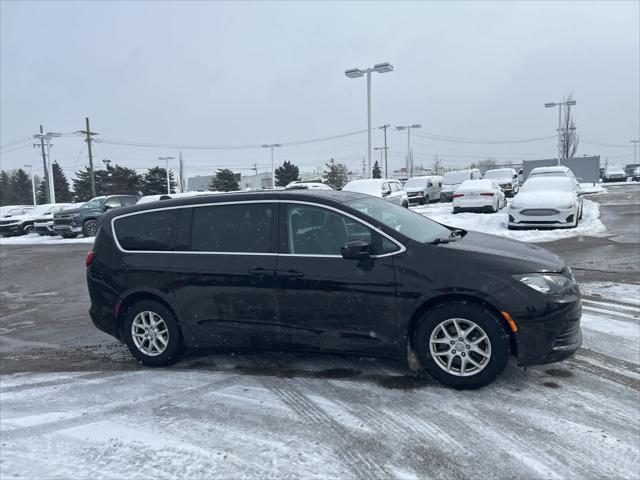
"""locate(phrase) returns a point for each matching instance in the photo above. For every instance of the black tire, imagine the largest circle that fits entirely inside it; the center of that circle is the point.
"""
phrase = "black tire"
(173, 348)
(456, 210)
(68, 235)
(28, 229)
(483, 318)
(581, 209)
(426, 200)
(405, 204)
(90, 228)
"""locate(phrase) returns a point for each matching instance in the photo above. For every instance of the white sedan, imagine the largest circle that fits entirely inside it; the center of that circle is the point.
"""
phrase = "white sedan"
(478, 196)
(550, 202)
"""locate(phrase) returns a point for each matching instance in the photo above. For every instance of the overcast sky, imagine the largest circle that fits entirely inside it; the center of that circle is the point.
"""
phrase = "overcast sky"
(244, 73)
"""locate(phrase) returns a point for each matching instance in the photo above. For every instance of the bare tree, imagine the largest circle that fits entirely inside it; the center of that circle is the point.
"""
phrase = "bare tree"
(181, 182)
(569, 137)
(437, 165)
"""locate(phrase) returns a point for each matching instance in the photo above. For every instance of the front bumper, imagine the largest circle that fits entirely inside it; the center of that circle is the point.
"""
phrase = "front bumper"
(543, 217)
(65, 226)
(417, 197)
(551, 337)
(44, 228)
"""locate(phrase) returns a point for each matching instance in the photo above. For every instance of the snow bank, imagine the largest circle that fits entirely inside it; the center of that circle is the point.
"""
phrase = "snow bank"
(496, 223)
(623, 292)
(592, 188)
(35, 239)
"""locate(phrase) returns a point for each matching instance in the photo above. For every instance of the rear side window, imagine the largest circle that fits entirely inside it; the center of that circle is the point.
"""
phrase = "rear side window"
(153, 231)
(395, 187)
(243, 228)
(126, 201)
(113, 202)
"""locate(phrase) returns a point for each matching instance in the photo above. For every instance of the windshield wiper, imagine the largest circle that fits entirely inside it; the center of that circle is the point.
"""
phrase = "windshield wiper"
(455, 234)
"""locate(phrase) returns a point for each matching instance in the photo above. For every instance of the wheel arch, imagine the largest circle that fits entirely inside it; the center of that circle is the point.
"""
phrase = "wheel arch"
(137, 296)
(441, 299)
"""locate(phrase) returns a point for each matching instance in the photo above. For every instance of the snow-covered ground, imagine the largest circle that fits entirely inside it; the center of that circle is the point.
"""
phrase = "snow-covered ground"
(35, 239)
(496, 223)
(292, 416)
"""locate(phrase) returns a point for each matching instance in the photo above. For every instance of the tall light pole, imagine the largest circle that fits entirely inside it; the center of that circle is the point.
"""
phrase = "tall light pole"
(635, 146)
(357, 72)
(559, 105)
(273, 172)
(33, 184)
(408, 129)
(386, 149)
(47, 137)
(166, 160)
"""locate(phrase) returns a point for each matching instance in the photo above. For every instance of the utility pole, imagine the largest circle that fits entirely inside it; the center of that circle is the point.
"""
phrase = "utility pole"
(386, 170)
(273, 175)
(560, 105)
(364, 167)
(33, 184)
(44, 164)
(635, 147)
(255, 168)
(48, 136)
(90, 134)
(409, 154)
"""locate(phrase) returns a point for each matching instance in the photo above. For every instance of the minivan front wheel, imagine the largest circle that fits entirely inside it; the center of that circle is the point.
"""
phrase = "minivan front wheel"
(462, 345)
(90, 228)
(152, 333)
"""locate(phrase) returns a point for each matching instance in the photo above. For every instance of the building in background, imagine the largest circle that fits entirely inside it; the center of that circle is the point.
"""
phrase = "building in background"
(258, 181)
(199, 183)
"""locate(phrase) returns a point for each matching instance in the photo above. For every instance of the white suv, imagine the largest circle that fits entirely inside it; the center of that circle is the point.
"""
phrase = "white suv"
(390, 190)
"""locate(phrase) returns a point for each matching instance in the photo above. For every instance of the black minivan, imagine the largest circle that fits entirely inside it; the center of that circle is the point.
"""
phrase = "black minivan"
(332, 272)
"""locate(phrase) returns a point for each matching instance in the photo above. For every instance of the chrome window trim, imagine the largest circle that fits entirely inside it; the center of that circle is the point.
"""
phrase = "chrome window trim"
(401, 249)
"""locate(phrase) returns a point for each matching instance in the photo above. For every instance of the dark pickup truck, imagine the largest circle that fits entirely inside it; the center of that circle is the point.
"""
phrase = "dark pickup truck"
(86, 219)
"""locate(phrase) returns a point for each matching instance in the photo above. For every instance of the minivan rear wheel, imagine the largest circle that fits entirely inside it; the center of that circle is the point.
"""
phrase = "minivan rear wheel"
(462, 344)
(151, 332)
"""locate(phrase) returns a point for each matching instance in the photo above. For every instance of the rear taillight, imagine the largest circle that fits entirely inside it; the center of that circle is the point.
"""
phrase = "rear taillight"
(90, 256)
(487, 194)
(458, 195)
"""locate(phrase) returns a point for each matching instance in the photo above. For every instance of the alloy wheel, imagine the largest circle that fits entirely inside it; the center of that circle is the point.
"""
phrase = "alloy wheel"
(150, 333)
(460, 347)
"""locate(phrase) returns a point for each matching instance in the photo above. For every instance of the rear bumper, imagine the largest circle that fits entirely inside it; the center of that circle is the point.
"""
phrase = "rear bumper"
(552, 337)
(104, 320)
(474, 205)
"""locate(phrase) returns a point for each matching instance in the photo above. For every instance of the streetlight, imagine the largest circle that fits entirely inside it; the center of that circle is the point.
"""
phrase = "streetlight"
(408, 129)
(273, 175)
(48, 136)
(166, 160)
(635, 146)
(559, 105)
(33, 184)
(355, 73)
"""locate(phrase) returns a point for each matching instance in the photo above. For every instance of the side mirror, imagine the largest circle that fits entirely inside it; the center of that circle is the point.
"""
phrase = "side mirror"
(386, 193)
(108, 207)
(356, 250)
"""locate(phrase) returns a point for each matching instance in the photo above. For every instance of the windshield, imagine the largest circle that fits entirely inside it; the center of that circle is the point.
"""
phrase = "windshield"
(413, 225)
(542, 183)
(416, 182)
(453, 178)
(503, 173)
(94, 202)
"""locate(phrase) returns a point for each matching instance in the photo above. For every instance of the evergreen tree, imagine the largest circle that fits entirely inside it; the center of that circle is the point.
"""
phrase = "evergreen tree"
(154, 181)
(61, 185)
(6, 194)
(20, 187)
(41, 193)
(121, 180)
(224, 181)
(336, 174)
(82, 184)
(377, 171)
(286, 173)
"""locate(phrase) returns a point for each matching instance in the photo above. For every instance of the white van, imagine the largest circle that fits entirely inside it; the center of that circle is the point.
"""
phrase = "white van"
(452, 180)
(422, 190)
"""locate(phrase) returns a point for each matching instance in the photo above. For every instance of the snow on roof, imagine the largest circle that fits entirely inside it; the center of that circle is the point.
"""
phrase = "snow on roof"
(469, 185)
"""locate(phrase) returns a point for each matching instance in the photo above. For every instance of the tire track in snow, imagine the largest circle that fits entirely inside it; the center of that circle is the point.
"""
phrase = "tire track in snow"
(358, 460)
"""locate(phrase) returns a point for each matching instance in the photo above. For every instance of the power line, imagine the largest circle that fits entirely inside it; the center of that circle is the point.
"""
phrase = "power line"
(602, 144)
(15, 142)
(16, 148)
(445, 138)
(222, 147)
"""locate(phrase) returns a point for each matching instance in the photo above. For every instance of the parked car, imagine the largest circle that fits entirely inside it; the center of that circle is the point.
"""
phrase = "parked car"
(614, 174)
(86, 218)
(13, 210)
(328, 271)
(636, 175)
(555, 171)
(22, 224)
(388, 189)
(451, 181)
(307, 186)
(478, 196)
(507, 178)
(551, 202)
(43, 224)
(422, 190)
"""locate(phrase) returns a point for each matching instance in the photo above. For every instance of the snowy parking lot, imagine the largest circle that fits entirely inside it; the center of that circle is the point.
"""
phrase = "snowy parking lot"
(75, 405)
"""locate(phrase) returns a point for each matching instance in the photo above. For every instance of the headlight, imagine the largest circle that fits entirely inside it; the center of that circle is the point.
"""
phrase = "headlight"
(548, 283)
(75, 215)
